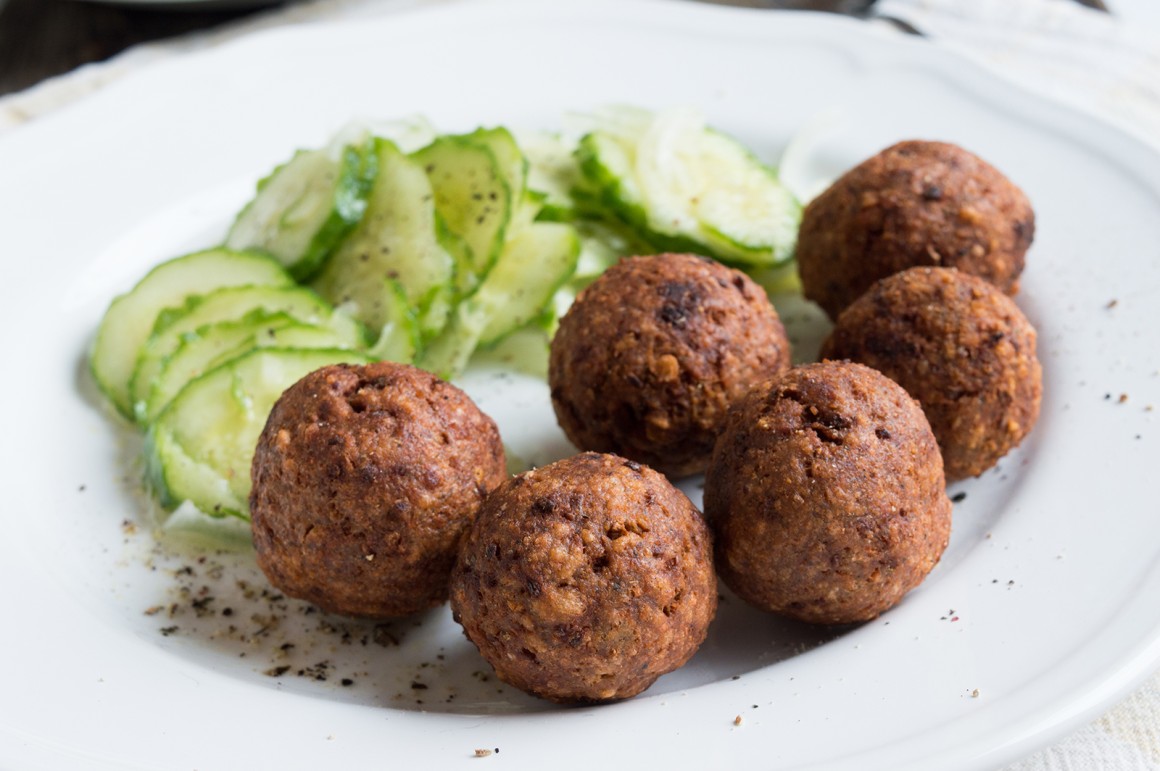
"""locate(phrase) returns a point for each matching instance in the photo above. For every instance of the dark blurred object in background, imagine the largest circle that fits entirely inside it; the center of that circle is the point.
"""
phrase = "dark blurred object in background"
(42, 38)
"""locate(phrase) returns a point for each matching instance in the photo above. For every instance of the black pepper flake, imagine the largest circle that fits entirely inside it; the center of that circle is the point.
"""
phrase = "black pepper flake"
(168, 630)
(346, 681)
(81, 489)
(382, 636)
(276, 671)
(417, 686)
(958, 497)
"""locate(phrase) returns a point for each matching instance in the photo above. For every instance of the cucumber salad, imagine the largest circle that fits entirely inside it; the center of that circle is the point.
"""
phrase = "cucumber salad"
(404, 244)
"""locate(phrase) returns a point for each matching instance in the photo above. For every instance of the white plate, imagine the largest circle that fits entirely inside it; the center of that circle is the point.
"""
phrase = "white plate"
(1041, 613)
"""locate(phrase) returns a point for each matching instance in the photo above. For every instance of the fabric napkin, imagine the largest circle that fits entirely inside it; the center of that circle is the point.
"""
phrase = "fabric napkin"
(1089, 60)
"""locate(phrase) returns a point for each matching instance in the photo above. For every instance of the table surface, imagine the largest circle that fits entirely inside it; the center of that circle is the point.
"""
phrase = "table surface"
(42, 38)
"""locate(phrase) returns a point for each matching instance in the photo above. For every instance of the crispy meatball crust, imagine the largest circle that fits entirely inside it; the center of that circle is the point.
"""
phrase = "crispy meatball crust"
(650, 356)
(959, 346)
(915, 203)
(585, 580)
(365, 478)
(826, 495)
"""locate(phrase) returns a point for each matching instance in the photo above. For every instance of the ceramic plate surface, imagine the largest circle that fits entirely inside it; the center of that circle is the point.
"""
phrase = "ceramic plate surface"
(117, 654)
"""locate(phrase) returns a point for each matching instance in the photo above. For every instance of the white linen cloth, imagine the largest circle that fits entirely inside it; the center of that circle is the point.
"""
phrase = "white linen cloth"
(1108, 65)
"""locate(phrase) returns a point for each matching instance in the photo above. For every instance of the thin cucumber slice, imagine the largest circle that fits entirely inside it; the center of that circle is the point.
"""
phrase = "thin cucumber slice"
(232, 303)
(201, 446)
(510, 159)
(533, 265)
(608, 164)
(472, 196)
(554, 172)
(409, 133)
(746, 214)
(130, 318)
(782, 280)
(526, 212)
(684, 186)
(561, 301)
(187, 524)
(400, 337)
(398, 239)
(306, 206)
(602, 245)
(214, 344)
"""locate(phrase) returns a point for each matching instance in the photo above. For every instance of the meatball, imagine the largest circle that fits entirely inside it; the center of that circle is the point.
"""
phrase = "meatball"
(916, 203)
(826, 495)
(650, 356)
(365, 478)
(585, 580)
(959, 346)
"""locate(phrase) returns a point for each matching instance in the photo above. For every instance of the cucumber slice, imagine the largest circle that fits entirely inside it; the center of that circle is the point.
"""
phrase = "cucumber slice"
(213, 344)
(526, 212)
(510, 159)
(687, 187)
(398, 239)
(400, 337)
(305, 207)
(474, 198)
(608, 165)
(602, 245)
(533, 265)
(552, 171)
(745, 214)
(129, 319)
(233, 303)
(201, 446)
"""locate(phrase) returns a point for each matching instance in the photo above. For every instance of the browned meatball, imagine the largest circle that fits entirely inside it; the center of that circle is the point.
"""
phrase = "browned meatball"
(585, 580)
(959, 346)
(650, 356)
(365, 478)
(826, 495)
(916, 203)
